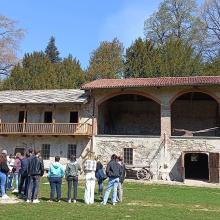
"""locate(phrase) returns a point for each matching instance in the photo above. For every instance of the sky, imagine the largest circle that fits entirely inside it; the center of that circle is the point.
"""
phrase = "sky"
(78, 26)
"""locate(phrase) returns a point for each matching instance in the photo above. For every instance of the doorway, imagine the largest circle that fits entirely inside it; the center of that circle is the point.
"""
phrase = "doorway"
(196, 166)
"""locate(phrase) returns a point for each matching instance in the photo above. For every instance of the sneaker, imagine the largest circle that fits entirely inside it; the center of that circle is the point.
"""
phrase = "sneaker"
(5, 197)
(113, 203)
(36, 201)
(28, 201)
(74, 201)
(50, 200)
(102, 203)
(69, 200)
(58, 201)
(15, 191)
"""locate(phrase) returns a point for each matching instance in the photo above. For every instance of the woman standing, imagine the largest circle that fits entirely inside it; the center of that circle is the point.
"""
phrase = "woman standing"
(100, 176)
(3, 174)
(17, 167)
(71, 173)
(55, 175)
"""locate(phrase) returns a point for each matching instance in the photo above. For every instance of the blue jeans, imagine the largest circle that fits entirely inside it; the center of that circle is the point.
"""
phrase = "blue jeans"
(55, 186)
(3, 181)
(10, 180)
(17, 179)
(112, 184)
(100, 185)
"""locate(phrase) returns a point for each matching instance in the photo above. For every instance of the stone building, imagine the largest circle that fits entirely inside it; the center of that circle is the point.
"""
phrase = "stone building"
(53, 121)
(171, 125)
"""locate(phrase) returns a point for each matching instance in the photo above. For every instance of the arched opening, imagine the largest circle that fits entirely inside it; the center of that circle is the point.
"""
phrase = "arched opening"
(129, 114)
(196, 166)
(195, 114)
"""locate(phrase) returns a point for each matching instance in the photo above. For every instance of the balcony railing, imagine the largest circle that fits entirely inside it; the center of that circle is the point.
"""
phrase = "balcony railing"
(46, 128)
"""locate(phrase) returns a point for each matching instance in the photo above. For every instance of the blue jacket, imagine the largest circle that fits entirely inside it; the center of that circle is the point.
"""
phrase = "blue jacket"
(24, 167)
(56, 170)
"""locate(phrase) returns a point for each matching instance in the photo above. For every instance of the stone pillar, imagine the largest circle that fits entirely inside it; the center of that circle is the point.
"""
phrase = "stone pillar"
(165, 120)
(165, 136)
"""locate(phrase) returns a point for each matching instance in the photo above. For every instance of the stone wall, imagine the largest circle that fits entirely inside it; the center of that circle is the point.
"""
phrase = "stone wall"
(147, 151)
(177, 145)
(58, 146)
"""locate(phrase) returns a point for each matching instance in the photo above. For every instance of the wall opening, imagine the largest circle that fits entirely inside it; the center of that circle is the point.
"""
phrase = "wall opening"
(195, 114)
(196, 166)
(129, 114)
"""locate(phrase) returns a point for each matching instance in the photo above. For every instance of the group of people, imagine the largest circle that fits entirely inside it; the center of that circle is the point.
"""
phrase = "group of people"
(27, 171)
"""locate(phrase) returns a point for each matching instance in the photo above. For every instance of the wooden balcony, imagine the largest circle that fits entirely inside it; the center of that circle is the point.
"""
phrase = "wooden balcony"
(79, 129)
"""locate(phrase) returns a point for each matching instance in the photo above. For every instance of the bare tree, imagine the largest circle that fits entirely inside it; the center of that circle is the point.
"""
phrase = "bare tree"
(176, 19)
(211, 17)
(10, 37)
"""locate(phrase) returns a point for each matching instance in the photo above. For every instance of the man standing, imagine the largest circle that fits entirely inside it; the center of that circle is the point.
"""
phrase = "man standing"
(35, 171)
(113, 171)
(89, 169)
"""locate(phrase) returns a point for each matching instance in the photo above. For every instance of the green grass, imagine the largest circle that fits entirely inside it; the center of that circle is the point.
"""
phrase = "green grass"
(151, 202)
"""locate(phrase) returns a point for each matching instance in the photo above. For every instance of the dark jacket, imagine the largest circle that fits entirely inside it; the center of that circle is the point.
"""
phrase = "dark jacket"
(24, 167)
(4, 167)
(122, 177)
(35, 166)
(113, 169)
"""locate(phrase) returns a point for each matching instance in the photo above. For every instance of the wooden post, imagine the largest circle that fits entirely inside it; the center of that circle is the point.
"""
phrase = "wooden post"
(53, 119)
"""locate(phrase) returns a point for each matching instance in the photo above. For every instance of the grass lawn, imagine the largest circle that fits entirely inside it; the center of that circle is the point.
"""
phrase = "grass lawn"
(141, 201)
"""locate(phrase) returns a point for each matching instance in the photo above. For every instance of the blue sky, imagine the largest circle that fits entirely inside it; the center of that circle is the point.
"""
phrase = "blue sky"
(78, 26)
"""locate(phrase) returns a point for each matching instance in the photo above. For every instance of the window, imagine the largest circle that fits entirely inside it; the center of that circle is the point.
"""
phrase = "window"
(45, 151)
(74, 117)
(47, 117)
(22, 116)
(71, 150)
(128, 155)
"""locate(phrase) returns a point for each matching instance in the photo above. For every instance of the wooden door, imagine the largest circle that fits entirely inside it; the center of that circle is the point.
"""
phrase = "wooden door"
(214, 167)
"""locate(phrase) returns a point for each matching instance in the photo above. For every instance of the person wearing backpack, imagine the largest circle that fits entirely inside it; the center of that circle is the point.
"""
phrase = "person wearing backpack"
(55, 175)
(71, 173)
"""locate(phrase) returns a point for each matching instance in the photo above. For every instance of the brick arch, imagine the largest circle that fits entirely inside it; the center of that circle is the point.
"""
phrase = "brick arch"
(177, 95)
(134, 92)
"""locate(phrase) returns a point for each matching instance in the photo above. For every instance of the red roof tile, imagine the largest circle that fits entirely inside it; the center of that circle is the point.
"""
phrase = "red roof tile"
(153, 82)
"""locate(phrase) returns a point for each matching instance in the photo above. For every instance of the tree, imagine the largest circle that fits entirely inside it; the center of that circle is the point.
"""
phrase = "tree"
(35, 72)
(70, 74)
(52, 52)
(178, 58)
(176, 19)
(10, 36)
(173, 58)
(211, 17)
(141, 59)
(106, 61)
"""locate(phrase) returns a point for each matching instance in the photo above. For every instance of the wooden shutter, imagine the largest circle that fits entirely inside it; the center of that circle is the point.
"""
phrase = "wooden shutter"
(214, 167)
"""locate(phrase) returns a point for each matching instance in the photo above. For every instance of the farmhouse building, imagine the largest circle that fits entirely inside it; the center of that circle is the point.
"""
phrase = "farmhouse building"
(170, 125)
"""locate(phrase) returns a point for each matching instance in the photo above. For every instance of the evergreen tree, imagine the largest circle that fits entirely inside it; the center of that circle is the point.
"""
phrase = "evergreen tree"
(52, 52)
(141, 59)
(177, 58)
(106, 61)
(70, 73)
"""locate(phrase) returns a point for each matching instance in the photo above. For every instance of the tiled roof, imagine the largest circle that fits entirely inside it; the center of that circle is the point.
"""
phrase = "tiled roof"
(43, 96)
(151, 82)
